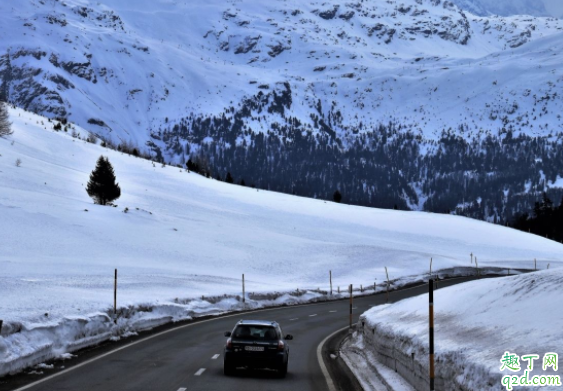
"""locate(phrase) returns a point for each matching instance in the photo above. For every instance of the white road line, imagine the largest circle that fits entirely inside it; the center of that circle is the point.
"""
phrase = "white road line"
(294, 319)
(332, 311)
(328, 379)
(198, 373)
(313, 315)
(182, 389)
(215, 357)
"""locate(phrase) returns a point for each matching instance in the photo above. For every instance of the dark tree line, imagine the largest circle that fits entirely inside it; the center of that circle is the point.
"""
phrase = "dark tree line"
(546, 220)
(488, 176)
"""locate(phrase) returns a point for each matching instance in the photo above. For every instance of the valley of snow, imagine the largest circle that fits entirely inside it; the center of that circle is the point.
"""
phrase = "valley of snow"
(475, 324)
(185, 236)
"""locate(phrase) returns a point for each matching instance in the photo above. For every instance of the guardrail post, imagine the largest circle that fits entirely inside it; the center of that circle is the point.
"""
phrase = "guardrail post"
(431, 331)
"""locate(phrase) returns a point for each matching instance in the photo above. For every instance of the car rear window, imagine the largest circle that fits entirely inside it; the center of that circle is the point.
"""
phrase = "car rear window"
(256, 333)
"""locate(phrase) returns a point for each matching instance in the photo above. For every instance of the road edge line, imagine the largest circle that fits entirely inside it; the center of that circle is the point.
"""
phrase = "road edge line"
(328, 378)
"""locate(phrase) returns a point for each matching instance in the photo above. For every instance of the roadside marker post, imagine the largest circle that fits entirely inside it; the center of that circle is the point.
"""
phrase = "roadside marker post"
(431, 331)
(330, 278)
(535, 265)
(351, 303)
(243, 294)
(477, 267)
(430, 267)
(115, 297)
(387, 274)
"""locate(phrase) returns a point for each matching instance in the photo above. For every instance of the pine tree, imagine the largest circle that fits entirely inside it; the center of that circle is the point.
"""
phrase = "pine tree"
(229, 178)
(5, 124)
(102, 186)
(337, 197)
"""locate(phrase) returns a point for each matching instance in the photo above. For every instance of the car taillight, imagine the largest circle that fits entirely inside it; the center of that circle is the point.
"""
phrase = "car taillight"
(229, 344)
(281, 345)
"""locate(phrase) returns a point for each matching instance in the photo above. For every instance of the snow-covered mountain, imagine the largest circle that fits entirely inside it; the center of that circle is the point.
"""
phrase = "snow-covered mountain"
(377, 99)
(123, 68)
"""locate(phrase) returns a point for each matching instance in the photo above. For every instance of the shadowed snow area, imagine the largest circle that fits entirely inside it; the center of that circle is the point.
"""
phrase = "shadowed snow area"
(185, 236)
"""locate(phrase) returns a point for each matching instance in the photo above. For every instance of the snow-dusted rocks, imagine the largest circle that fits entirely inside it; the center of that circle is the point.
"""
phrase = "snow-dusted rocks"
(83, 59)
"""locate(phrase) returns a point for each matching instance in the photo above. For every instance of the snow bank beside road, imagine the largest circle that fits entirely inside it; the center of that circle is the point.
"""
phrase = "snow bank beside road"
(475, 324)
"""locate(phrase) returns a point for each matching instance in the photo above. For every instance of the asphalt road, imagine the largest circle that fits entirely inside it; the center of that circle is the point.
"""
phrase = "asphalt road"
(190, 357)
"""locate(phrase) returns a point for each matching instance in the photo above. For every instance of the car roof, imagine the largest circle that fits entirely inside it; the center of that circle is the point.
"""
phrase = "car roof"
(258, 322)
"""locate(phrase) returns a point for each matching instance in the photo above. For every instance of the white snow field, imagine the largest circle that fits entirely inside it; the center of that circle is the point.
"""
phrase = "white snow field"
(475, 324)
(184, 237)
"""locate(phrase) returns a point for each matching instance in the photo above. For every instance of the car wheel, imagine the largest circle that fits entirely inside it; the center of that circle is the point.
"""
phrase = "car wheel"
(283, 370)
(228, 368)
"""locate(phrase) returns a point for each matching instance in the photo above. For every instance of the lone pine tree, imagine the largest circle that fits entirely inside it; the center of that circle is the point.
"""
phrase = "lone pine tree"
(102, 186)
(5, 124)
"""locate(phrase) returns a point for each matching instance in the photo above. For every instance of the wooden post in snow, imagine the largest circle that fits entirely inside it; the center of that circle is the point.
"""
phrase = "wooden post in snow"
(115, 297)
(243, 294)
(431, 331)
(351, 303)
(387, 274)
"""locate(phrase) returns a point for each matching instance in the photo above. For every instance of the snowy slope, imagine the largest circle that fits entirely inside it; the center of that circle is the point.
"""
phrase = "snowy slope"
(475, 324)
(117, 68)
(185, 236)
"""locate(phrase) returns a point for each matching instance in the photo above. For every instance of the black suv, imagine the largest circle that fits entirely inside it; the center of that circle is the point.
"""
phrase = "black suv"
(256, 344)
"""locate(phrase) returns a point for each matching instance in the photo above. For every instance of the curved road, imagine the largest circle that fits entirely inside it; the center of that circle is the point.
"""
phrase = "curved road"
(190, 357)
